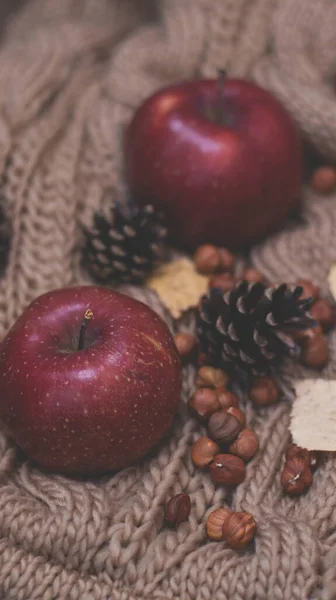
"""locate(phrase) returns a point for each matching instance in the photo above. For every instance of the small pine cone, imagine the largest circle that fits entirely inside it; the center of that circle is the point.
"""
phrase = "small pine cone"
(124, 248)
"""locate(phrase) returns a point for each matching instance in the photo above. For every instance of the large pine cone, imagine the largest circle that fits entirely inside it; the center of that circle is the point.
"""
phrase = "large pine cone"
(249, 328)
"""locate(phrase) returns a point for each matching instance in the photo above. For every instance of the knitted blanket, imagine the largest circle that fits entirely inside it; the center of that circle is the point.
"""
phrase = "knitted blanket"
(71, 74)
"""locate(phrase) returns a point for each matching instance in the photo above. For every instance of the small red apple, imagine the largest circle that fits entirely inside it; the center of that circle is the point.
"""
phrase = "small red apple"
(222, 160)
(88, 395)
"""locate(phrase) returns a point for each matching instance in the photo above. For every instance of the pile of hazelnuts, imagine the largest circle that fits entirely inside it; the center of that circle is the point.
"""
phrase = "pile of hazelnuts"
(229, 444)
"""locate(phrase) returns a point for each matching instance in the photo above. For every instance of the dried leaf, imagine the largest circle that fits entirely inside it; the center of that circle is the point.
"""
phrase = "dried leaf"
(332, 280)
(178, 285)
(313, 418)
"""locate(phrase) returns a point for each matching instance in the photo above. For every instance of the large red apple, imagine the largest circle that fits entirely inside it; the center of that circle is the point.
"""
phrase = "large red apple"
(93, 409)
(221, 159)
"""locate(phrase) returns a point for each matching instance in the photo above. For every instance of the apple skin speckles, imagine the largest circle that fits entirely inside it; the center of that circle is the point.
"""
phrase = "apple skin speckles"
(94, 410)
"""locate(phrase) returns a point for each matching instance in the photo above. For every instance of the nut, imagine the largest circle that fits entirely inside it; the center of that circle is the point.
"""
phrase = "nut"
(204, 451)
(227, 259)
(239, 529)
(264, 391)
(310, 457)
(227, 398)
(215, 523)
(246, 445)
(211, 377)
(207, 259)
(309, 289)
(227, 469)
(296, 476)
(177, 509)
(186, 345)
(324, 180)
(238, 414)
(302, 336)
(202, 359)
(315, 352)
(252, 276)
(224, 427)
(224, 282)
(204, 403)
(294, 451)
(323, 312)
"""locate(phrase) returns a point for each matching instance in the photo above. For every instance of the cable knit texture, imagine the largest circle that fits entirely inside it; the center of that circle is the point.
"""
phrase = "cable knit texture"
(72, 73)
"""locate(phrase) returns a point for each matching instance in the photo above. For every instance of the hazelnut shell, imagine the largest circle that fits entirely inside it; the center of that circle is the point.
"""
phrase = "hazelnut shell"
(239, 529)
(246, 445)
(227, 469)
(203, 452)
(224, 427)
(215, 523)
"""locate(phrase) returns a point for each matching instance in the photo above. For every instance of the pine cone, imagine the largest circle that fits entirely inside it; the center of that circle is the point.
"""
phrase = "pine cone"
(249, 327)
(126, 246)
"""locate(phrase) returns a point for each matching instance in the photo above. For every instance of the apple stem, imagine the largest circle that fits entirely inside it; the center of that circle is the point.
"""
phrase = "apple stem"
(87, 317)
(221, 101)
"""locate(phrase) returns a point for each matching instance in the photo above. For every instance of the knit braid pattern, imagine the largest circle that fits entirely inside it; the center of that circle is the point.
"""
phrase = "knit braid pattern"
(72, 73)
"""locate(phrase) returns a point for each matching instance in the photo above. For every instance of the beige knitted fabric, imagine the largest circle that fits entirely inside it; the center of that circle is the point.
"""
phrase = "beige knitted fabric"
(71, 74)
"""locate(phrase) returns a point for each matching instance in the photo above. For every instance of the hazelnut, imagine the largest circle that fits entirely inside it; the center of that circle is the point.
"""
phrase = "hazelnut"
(224, 282)
(204, 403)
(315, 352)
(294, 451)
(302, 336)
(296, 476)
(227, 259)
(246, 445)
(227, 398)
(204, 451)
(224, 427)
(238, 414)
(202, 359)
(264, 391)
(309, 289)
(323, 312)
(177, 509)
(211, 377)
(215, 523)
(239, 529)
(227, 469)
(311, 457)
(207, 259)
(252, 276)
(324, 180)
(186, 345)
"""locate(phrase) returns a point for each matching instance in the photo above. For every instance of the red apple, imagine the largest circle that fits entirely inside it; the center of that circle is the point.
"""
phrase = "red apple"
(94, 409)
(222, 162)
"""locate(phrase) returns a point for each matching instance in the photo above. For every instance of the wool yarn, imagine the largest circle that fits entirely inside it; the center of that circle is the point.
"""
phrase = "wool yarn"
(72, 73)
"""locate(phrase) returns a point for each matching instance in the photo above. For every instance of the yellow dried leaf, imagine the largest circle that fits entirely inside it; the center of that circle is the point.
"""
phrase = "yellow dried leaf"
(178, 285)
